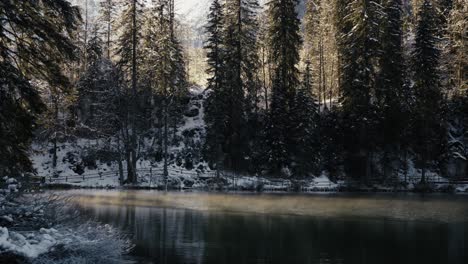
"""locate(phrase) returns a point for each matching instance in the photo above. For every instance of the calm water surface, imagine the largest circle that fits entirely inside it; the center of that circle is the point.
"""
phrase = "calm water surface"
(239, 228)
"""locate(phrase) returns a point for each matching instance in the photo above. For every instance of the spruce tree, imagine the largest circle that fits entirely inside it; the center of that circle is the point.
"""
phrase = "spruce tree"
(98, 92)
(213, 45)
(235, 115)
(304, 121)
(285, 42)
(239, 86)
(163, 70)
(216, 103)
(343, 26)
(128, 50)
(428, 108)
(359, 50)
(107, 17)
(34, 42)
(390, 84)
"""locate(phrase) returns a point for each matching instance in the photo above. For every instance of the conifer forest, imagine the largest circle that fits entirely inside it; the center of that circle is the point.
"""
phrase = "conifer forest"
(180, 105)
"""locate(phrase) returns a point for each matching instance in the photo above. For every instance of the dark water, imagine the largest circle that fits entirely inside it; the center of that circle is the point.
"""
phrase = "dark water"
(176, 235)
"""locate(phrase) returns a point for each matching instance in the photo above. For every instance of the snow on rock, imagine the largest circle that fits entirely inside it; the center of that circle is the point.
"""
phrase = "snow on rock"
(30, 246)
(462, 188)
(91, 243)
(8, 218)
(323, 182)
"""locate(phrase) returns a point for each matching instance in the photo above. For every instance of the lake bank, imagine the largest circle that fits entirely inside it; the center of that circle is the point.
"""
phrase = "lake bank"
(257, 184)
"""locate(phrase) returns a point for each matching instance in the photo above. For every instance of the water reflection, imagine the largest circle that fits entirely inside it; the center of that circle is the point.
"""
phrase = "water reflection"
(175, 235)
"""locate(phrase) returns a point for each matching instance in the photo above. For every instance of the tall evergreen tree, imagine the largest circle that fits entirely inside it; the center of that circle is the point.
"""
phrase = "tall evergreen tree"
(285, 42)
(239, 86)
(304, 121)
(235, 115)
(108, 11)
(163, 71)
(101, 103)
(216, 103)
(390, 84)
(428, 119)
(343, 26)
(128, 51)
(98, 91)
(34, 42)
(359, 50)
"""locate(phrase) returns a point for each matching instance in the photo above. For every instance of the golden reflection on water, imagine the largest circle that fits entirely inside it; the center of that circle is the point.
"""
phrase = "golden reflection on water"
(439, 208)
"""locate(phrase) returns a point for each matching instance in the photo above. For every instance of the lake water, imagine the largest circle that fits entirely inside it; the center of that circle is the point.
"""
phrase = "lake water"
(282, 228)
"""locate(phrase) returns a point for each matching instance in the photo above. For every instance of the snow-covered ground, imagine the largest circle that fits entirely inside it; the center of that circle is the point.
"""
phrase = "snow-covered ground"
(75, 168)
(44, 228)
(29, 245)
(84, 244)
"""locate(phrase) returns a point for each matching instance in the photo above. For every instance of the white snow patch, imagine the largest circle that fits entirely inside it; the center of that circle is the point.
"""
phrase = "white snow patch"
(462, 188)
(30, 246)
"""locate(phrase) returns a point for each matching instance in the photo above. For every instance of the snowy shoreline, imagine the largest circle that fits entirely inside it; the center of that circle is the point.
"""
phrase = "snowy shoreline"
(42, 227)
(435, 189)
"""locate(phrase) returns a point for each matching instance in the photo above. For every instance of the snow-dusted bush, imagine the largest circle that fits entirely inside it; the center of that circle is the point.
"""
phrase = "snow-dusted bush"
(88, 243)
(46, 228)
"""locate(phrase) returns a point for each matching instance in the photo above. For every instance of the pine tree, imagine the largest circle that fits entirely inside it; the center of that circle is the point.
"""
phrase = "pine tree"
(285, 42)
(359, 50)
(304, 121)
(428, 119)
(163, 70)
(320, 48)
(177, 85)
(34, 42)
(215, 105)
(390, 84)
(331, 137)
(128, 51)
(238, 81)
(241, 23)
(108, 12)
(343, 26)
(313, 43)
(98, 91)
(235, 118)
(213, 45)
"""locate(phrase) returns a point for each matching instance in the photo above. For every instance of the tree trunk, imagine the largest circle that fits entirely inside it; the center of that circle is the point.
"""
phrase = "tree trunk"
(166, 174)
(56, 113)
(424, 151)
(120, 163)
(85, 57)
(324, 79)
(132, 153)
(108, 37)
(264, 79)
(320, 78)
(331, 84)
